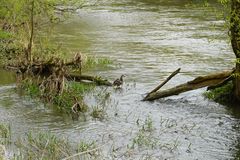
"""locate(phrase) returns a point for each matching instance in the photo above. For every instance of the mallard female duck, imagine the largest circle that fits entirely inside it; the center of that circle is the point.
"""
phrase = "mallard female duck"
(119, 81)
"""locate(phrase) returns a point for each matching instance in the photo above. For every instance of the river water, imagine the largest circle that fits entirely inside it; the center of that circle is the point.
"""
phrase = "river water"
(146, 40)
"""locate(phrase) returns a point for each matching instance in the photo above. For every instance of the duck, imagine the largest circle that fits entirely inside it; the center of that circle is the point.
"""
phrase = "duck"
(119, 81)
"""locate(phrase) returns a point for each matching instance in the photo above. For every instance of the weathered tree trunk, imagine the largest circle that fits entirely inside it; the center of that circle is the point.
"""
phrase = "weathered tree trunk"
(235, 40)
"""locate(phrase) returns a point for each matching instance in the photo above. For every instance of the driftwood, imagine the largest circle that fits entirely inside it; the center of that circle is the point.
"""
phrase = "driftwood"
(163, 83)
(199, 82)
(79, 78)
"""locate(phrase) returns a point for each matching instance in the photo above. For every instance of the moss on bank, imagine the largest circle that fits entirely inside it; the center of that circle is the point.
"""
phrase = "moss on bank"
(222, 95)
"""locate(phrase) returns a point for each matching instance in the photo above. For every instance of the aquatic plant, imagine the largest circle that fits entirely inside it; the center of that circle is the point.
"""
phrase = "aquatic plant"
(148, 125)
(98, 112)
(84, 146)
(144, 136)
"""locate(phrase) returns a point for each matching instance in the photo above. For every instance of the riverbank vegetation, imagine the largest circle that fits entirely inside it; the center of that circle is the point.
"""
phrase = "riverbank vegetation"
(44, 70)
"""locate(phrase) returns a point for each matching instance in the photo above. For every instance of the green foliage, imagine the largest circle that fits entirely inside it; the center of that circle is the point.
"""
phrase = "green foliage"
(19, 11)
(25, 20)
(222, 95)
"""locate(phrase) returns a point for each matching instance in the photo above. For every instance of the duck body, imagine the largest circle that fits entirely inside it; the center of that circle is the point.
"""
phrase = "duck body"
(118, 82)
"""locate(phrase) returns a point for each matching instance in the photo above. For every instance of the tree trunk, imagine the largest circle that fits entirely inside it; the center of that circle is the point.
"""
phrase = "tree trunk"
(235, 40)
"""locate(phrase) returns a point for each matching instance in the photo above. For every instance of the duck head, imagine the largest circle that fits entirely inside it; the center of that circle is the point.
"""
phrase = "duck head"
(123, 75)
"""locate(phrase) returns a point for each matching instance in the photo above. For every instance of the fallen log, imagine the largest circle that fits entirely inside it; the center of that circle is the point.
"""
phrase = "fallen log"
(199, 82)
(95, 79)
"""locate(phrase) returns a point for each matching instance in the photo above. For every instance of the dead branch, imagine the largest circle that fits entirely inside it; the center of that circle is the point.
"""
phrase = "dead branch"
(163, 83)
(199, 82)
